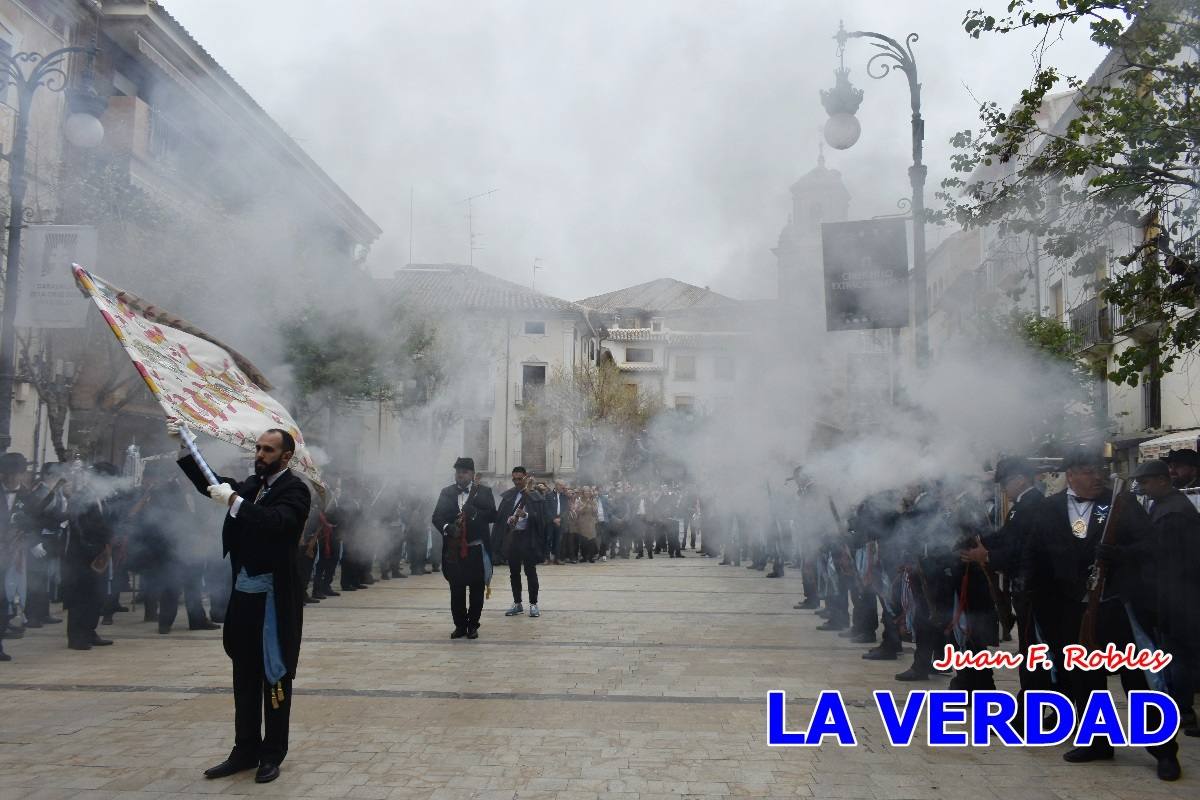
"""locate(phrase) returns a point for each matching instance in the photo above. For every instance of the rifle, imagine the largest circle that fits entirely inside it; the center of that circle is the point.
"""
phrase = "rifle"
(460, 526)
(1098, 572)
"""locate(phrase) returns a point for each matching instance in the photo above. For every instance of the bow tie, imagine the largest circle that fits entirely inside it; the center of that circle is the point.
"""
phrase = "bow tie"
(463, 491)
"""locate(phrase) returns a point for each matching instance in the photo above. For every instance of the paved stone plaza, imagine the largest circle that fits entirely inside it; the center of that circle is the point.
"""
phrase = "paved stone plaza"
(642, 679)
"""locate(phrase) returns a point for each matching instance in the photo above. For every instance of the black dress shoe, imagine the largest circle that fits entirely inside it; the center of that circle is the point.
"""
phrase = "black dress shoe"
(267, 772)
(458, 633)
(226, 768)
(832, 625)
(863, 638)
(318, 596)
(51, 621)
(881, 654)
(349, 588)
(912, 674)
(205, 626)
(1097, 752)
(164, 629)
(78, 646)
(472, 633)
(5, 657)
(1168, 768)
(331, 592)
(98, 642)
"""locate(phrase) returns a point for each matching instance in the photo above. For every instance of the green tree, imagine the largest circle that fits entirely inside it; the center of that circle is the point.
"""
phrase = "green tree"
(1125, 155)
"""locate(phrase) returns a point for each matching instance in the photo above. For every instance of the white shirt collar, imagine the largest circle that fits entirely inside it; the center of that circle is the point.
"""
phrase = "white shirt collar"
(271, 480)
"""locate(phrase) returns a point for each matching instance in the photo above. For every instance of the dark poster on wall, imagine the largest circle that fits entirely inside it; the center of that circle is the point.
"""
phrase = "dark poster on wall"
(866, 274)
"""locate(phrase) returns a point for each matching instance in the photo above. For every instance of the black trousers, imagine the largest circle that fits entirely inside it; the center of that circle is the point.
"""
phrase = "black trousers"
(523, 554)
(251, 694)
(866, 610)
(464, 616)
(86, 601)
(37, 581)
(327, 564)
(520, 559)
(185, 581)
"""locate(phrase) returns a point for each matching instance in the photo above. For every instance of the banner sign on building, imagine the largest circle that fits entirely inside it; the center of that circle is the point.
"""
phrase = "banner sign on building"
(866, 274)
(48, 297)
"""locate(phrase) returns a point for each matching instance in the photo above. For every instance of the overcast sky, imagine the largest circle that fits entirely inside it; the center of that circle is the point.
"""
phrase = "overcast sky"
(628, 140)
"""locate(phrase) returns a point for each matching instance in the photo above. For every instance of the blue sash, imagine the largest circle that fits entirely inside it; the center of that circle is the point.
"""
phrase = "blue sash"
(273, 666)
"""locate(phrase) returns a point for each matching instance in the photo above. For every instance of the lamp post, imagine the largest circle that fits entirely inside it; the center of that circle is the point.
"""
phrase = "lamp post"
(842, 131)
(28, 72)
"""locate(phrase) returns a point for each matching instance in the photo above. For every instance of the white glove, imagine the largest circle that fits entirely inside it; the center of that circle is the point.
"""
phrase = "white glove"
(221, 494)
(39, 551)
(173, 430)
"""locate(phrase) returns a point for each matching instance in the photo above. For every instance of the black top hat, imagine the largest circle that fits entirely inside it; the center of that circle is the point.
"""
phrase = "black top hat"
(465, 463)
(1083, 457)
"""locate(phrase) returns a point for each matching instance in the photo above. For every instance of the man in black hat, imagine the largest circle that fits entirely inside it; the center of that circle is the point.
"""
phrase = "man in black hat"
(1175, 567)
(1185, 468)
(463, 515)
(1064, 543)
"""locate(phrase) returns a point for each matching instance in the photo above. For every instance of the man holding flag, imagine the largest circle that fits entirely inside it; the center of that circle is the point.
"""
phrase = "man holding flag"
(197, 379)
(261, 536)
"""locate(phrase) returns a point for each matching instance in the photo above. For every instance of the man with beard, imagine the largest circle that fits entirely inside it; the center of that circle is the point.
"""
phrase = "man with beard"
(261, 534)
(1185, 468)
(1176, 563)
(1064, 546)
(520, 513)
(463, 515)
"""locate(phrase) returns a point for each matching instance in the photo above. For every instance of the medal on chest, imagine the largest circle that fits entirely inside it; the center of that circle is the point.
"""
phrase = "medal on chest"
(1079, 528)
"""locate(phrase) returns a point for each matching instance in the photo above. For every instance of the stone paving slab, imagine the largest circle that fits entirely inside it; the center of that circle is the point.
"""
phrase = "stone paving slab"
(642, 679)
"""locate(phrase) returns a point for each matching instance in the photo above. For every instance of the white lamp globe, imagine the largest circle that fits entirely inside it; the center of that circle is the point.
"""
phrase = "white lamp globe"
(83, 130)
(842, 131)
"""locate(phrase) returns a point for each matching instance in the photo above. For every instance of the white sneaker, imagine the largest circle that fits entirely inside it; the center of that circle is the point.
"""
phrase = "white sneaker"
(604, 558)
(516, 609)
(533, 610)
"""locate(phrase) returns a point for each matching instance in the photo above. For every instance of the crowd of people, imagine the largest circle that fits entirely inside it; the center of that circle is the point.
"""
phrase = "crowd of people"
(965, 562)
(1057, 554)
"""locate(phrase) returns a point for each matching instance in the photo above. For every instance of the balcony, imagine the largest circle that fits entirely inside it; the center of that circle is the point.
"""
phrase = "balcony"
(1092, 326)
(1135, 325)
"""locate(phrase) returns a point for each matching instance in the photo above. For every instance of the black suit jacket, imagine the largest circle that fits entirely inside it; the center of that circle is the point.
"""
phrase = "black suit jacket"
(1055, 563)
(265, 537)
(1006, 545)
(480, 514)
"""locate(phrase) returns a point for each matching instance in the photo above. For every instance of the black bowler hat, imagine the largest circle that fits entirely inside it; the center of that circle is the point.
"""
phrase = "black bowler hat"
(1012, 466)
(465, 463)
(1155, 468)
(1187, 457)
(12, 464)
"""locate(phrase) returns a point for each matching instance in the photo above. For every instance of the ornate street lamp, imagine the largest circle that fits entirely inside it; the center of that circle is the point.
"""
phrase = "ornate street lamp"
(842, 131)
(29, 72)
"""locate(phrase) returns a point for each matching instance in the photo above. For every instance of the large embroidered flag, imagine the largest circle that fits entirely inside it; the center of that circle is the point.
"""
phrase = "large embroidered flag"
(196, 379)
